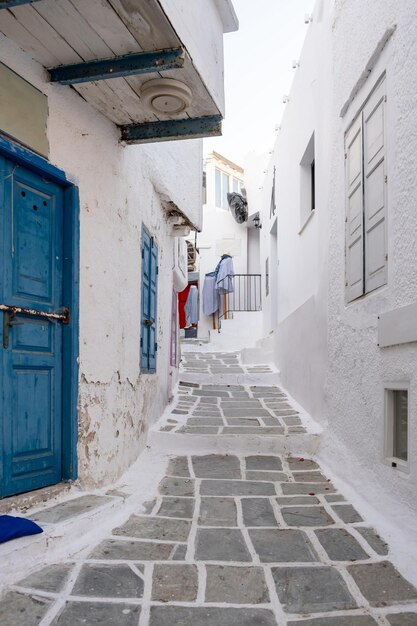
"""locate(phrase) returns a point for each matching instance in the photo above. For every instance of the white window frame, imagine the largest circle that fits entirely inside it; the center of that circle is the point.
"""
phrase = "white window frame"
(225, 178)
(367, 282)
(222, 175)
(217, 187)
(389, 457)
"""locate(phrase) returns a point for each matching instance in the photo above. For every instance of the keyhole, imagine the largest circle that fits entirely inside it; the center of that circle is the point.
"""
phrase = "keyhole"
(23, 194)
(35, 208)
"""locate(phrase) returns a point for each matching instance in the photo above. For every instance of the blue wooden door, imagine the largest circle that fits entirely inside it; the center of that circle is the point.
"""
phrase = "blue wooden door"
(148, 340)
(31, 259)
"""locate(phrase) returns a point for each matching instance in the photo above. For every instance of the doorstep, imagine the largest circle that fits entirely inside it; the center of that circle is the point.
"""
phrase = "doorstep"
(18, 505)
(75, 520)
(69, 523)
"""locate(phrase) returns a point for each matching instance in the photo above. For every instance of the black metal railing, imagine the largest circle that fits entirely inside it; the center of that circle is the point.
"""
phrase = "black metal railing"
(238, 292)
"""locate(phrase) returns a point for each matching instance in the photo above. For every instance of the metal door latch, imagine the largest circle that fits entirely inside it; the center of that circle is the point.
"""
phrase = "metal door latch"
(8, 322)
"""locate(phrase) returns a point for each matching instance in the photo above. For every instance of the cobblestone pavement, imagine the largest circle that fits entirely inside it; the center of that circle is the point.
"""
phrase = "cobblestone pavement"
(232, 410)
(229, 540)
(219, 363)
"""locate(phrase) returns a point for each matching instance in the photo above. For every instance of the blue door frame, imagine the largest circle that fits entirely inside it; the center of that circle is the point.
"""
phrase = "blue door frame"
(42, 167)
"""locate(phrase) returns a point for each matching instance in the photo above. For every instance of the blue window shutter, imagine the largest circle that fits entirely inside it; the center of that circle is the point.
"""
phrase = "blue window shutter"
(153, 295)
(149, 303)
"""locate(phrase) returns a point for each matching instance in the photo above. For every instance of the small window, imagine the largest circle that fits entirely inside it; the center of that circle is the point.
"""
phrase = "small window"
(204, 188)
(236, 185)
(307, 182)
(313, 186)
(396, 418)
(267, 277)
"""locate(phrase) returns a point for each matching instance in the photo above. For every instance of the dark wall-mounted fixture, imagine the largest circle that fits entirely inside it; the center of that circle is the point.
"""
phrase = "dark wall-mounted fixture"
(257, 222)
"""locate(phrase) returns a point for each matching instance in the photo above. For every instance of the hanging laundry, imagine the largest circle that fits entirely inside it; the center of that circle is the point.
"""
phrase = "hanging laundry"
(210, 299)
(225, 274)
(191, 307)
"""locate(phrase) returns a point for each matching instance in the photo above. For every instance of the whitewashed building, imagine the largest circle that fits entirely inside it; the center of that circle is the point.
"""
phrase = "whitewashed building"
(222, 234)
(338, 250)
(90, 221)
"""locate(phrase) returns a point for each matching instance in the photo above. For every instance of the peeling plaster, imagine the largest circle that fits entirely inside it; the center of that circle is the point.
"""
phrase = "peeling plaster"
(119, 190)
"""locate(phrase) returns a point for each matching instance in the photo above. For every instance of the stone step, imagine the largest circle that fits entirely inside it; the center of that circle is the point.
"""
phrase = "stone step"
(303, 444)
(243, 378)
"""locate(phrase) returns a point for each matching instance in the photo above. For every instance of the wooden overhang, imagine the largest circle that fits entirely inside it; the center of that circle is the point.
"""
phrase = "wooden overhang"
(106, 50)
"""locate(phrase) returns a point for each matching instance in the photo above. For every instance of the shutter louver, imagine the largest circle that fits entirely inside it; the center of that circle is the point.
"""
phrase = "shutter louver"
(354, 212)
(375, 190)
(148, 345)
(153, 292)
(145, 304)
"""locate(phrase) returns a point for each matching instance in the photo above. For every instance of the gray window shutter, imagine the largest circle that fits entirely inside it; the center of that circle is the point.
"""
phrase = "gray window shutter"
(354, 211)
(375, 190)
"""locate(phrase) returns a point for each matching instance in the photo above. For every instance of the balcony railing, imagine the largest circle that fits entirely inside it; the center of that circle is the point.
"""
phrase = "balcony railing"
(238, 292)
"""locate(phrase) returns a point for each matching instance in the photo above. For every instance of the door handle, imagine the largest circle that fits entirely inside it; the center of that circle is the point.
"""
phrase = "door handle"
(147, 322)
(7, 324)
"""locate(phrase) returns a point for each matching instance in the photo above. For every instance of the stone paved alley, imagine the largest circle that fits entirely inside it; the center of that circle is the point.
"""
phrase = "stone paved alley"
(248, 539)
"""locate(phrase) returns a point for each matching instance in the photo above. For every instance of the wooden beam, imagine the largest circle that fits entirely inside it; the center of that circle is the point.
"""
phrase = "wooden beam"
(7, 4)
(170, 130)
(118, 66)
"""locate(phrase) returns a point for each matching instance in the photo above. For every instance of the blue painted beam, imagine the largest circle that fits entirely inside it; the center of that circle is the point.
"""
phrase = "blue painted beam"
(170, 130)
(115, 67)
(7, 4)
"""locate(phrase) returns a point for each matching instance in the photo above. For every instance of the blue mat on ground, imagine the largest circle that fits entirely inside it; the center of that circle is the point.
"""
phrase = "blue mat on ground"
(14, 527)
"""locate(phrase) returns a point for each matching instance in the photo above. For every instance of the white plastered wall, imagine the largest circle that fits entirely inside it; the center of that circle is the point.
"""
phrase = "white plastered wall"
(328, 351)
(296, 320)
(121, 188)
(358, 368)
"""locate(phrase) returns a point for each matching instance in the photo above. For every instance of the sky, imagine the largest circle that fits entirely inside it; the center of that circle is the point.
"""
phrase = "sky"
(258, 72)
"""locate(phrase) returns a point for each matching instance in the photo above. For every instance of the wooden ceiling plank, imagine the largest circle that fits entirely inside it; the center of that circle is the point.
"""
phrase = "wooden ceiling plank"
(131, 101)
(46, 34)
(147, 23)
(66, 20)
(103, 98)
(100, 97)
(15, 31)
(77, 32)
(107, 25)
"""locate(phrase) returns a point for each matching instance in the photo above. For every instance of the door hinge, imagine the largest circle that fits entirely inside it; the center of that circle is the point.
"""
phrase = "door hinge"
(141, 342)
(386, 257)
(152, 242)
(156, 347)
(386, 179)
(345, 155)
(385, 98)
(346, 220)
(157, 269)
(143, 252)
